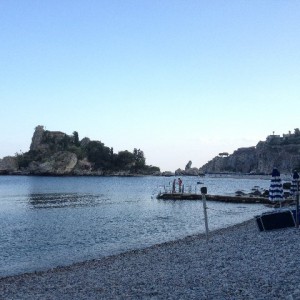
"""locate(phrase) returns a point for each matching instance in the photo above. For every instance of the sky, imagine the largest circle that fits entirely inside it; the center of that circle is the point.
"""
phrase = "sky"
(179, 79)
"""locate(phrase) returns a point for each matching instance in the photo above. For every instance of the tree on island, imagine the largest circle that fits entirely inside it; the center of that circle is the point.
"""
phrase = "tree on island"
(100, 157)
(76, 139)
(226, 154)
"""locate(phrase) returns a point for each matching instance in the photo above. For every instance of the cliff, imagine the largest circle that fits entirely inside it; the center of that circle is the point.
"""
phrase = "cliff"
(281, 152)
(56, 153)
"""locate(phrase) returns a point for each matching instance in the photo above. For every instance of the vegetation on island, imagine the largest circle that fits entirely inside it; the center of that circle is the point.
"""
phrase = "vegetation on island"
(56, 153)
(280, 151)
(285, 139)
(96, 157)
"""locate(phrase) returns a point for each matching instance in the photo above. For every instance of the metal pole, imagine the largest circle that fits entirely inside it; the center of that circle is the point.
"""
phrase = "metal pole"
(203, 192)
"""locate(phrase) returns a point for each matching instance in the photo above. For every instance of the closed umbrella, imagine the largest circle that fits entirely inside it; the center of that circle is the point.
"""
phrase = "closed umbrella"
(276, 189)
(295, 193)
(294, 185)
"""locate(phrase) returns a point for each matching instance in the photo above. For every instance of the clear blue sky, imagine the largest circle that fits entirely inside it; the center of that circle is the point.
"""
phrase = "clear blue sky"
(181, 80)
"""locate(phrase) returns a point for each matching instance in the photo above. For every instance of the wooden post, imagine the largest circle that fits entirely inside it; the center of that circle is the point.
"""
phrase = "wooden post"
(204, 192)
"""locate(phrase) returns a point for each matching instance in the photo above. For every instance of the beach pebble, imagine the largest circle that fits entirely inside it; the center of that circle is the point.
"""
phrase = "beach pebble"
(236, 263)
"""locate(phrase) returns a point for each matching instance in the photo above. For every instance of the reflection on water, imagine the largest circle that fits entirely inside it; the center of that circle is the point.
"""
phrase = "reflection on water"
(72, 219)
(57, 200)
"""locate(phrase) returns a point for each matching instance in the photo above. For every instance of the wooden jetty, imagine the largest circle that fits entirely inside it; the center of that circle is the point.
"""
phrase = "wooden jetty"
(220, 198)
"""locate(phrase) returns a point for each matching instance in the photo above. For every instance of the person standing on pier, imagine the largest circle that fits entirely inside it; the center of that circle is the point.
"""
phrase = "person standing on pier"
(180, 184)
(174, 187)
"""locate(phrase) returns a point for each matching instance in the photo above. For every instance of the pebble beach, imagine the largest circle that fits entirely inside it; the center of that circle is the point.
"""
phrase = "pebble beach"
(237, 262)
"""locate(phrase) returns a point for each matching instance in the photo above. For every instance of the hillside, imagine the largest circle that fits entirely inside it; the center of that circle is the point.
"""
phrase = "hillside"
(56, 153)
(282, 152)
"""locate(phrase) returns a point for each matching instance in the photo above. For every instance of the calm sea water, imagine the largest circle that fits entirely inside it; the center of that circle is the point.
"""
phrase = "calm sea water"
(52, 221)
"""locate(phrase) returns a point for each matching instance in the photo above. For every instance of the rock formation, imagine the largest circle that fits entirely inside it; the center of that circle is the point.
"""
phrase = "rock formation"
(56, 153)
(281, 152)
(188, 166)
(60, 163)
(37, 138)
(188, 171)
(8, 165)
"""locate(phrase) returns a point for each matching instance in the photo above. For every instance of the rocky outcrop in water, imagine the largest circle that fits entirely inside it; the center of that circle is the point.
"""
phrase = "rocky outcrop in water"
(56, 153)
(8, 165)
(281, 152)
(188, 171)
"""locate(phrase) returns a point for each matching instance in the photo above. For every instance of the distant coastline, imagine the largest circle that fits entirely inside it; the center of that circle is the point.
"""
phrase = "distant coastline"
(54, 153)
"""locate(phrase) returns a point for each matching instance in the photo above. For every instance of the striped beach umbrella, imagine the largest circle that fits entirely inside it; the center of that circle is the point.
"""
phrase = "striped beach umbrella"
(294, 185)
(276, 189)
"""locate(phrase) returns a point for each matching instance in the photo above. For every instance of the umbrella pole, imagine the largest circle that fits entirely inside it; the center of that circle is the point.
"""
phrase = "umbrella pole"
(297, 205)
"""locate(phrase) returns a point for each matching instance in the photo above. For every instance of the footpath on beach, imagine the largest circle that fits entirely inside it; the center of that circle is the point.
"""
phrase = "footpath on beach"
(236, 263)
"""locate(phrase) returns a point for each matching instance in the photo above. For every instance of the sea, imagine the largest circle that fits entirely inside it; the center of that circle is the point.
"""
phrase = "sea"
(46, 222)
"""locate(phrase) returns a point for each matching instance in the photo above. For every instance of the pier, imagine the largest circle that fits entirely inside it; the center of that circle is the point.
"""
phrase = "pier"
(220, 198)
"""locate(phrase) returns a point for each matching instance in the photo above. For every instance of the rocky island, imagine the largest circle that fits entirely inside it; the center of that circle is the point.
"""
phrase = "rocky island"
(56, 153)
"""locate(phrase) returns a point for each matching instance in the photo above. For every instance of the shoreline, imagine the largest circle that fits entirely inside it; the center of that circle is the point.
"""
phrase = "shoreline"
(238, 262)
(126, 174)
(199, 236)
